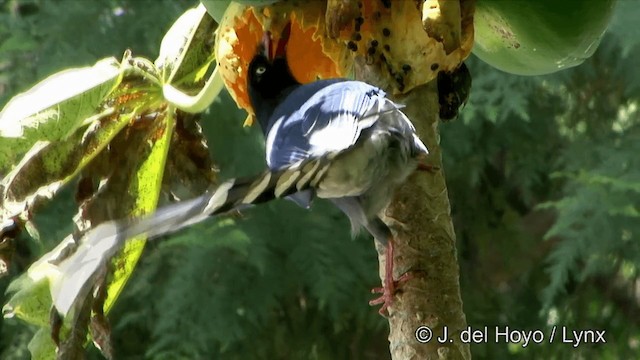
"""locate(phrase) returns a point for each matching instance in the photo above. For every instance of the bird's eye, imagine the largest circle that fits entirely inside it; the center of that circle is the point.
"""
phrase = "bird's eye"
(260, 70)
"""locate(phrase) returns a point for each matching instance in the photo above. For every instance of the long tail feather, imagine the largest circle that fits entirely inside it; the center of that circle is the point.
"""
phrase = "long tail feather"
(79, 270)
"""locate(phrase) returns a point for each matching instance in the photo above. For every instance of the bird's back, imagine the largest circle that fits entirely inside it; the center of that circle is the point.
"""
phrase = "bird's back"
(326, 115)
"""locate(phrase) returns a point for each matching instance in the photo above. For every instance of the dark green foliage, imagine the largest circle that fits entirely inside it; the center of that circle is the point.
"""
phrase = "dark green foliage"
(543, 174)
(545, 185)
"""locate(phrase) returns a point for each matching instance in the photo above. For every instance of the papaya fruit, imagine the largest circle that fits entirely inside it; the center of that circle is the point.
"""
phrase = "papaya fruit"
(536, 37)
(216, 8)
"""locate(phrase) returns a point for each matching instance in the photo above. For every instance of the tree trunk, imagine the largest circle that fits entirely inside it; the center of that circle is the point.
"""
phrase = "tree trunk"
(420, 216)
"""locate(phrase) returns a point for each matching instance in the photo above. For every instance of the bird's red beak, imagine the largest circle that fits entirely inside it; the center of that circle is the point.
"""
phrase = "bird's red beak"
(281, 49)
(267, 45)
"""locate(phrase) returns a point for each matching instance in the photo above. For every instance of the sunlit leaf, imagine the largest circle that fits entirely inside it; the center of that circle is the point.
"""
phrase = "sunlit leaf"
(31, 301)
(146, 191)
(41, 346)
(185, 56)
(199, 102)
(54, 108)
(188, 45)
(50, 165)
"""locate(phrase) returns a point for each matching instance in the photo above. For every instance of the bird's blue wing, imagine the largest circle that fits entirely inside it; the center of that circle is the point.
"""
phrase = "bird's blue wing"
(318, 118)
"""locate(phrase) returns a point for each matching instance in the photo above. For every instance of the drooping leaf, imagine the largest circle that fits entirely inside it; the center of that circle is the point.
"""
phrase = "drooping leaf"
(136, 193)
(146, 191)
(187, 46)
(190, 171)
(186, 54)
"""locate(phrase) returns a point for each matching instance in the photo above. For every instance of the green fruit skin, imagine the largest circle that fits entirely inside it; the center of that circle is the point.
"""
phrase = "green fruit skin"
(536, 37)
(216, 8)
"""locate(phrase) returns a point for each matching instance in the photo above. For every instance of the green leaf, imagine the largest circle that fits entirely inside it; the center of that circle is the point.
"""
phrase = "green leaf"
(55, 108)
(50, 165)
(199, 102)
(216, 8)
(186, 53)
(41, 346)
(146, 191)
(136, 194)
(187, 46)
(31, 301)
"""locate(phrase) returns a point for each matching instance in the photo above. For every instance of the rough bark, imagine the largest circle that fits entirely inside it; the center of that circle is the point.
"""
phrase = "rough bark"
(425, 244)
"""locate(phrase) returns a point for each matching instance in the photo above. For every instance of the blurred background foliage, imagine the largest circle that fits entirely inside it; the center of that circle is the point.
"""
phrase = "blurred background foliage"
(543, 175)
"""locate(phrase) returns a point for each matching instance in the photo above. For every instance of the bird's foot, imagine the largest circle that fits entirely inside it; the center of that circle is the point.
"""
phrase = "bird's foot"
(389, 285)
(388, 292)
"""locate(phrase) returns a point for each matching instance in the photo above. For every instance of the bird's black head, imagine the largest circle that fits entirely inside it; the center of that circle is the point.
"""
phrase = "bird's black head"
(269, 77)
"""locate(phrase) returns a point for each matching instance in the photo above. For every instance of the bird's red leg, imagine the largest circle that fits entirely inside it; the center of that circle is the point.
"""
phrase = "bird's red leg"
(389, 285)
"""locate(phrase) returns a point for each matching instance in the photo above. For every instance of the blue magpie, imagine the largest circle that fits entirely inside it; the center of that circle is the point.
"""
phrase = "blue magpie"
(336, 139)
(372, 146)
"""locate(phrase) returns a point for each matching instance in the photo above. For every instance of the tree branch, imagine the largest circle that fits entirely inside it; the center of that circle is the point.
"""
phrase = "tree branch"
(420, 215)
(425, 244)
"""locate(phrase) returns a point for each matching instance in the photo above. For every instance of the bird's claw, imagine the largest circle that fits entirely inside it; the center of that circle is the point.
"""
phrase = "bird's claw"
(389, 285)
(388, 292)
